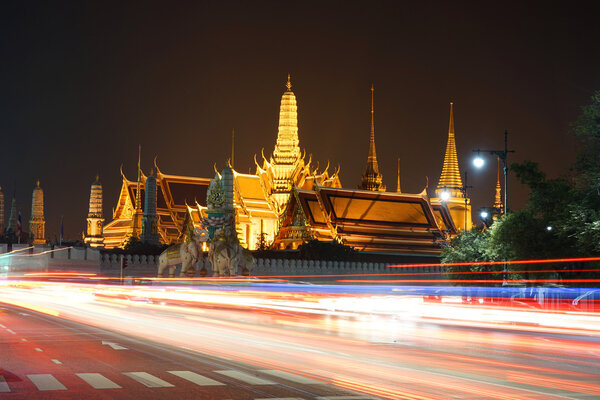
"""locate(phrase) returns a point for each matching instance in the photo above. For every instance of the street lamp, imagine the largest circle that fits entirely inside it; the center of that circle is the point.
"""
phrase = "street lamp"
(502, 155)
(484, 214)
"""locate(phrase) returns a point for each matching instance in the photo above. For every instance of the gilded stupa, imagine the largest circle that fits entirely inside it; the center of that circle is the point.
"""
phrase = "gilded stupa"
(372, 179)
(95, 218)
(450, 186)
(287, 168)
(37, 223)
(498, 204)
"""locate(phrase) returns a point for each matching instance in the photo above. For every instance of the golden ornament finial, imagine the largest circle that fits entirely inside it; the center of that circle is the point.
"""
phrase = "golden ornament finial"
(288, 85)
(38, 183)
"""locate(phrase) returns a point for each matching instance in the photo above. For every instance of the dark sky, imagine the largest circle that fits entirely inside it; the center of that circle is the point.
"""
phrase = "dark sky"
(83, 83)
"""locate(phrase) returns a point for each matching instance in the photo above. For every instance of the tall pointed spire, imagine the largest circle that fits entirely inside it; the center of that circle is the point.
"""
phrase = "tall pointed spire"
(136, 220)
(372, 179)
(232, 147)
(398, 189)
(498, 204)
(286, 158)
(450, 178)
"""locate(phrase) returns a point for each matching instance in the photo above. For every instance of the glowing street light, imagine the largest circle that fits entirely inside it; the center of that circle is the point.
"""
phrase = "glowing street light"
(478, 161)
(502, 155)
(484, 214)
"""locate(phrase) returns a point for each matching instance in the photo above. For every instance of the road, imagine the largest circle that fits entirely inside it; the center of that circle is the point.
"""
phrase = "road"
(231, 344)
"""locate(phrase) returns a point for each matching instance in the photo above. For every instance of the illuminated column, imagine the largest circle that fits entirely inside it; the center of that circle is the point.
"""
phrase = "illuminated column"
(150, 219)
(94, 235)
(37, 223)
(1, 211)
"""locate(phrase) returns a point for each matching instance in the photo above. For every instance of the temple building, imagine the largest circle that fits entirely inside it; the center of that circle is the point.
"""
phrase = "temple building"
(37, 223)
(288, 201)
(95, 218)
(365, 220)
(1, 211)
(372, 179)
(287, 167)
(450, 186)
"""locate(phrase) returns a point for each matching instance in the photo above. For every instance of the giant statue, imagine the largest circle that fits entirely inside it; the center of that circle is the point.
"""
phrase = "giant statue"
(187, 254)
(227, 256)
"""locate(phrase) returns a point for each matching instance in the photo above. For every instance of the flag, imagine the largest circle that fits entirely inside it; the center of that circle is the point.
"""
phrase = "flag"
(62, 221)
(19, 227)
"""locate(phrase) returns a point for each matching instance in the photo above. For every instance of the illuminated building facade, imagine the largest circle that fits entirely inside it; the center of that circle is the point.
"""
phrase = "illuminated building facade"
(95, 218)
(37, 223)
(450, 186)
(365, 220)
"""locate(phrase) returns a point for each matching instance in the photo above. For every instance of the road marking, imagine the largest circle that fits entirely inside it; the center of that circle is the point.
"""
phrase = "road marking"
(114, 345)
(11, 331)
(23, 340)
(98, 381)
(281, 398)
(148, 380)
(55, 361)
(244, 377)
(196, 378)
(2, 326)
(291, 377)
(346, 398)
(38, 349)
(46, 382)
(3, 385)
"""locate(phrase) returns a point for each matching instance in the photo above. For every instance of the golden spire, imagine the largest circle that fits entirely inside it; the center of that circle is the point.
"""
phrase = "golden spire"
(398, 190)
(232, 146)
(138, 200)
(450, 178)
(498, 205)
(288, 84)
(371, 179)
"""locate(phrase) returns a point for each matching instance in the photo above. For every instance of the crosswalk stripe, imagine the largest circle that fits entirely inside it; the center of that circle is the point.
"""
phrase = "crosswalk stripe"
(98, 381)
(196, 378)
(281, 398)
(55, 361)
(291, 377)
(147, 380)
(244, 377)
(46, 382)
(3, 385)
(346, 398)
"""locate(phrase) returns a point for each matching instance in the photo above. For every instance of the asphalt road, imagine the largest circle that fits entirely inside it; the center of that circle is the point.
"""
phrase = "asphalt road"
(46, 357)
(232, 343)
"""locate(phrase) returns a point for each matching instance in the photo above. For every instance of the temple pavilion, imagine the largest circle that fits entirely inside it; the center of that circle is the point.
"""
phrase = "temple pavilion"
(288, 201)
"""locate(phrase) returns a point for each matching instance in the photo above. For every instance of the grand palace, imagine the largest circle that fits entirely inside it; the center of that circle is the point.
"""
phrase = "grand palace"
(288, 201)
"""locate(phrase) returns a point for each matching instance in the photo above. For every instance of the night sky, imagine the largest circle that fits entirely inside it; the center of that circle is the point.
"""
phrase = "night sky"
(83, 83)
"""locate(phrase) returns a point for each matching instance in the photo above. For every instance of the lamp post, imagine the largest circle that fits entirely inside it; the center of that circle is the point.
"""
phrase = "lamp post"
(502, 155)
(445, 195)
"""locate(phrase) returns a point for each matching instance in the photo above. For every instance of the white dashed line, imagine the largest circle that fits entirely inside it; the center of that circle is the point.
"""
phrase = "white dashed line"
(38, 349)
(55, 361)
(2, 326)
(291, 377)
(11, 331)
(147, 380)
(196, 378)
(46, 382)
(346, 398)
(3, 385)
(98, 381)
(244, 377)
(23, 340)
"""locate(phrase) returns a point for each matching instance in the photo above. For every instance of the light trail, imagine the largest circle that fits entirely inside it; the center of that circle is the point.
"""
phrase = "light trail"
(395, 345)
